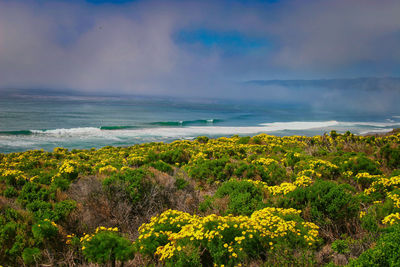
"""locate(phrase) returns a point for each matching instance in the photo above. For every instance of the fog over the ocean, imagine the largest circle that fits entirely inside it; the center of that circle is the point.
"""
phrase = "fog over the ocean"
(210, 49)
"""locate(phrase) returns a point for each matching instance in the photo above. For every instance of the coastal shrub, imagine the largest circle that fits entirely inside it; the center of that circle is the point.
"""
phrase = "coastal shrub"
(177, 237)
(44, 230)
(202, 139)
(14, 235)
(243, 197)
(291, 158)
(41, 209)
(391, 155)
(106, 245)
(386, 252)
(63, 208)
(340, 246)
(10, 192)
(60, 182)
(130, 182)
(181, 183)
(325, 202)
(273, 173)
(247, 171)
(244, 140)
(358, 163)
(162, 166)
(175, 156)
(31, 192)
(210, 170)
(31, 255)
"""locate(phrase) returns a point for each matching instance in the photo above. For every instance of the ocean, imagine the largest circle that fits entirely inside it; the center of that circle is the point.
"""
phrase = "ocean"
(83, 122)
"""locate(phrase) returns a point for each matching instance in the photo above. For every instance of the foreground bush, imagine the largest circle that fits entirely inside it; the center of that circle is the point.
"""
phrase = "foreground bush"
(179, 238)
(385, 253)
(325, 203)
(106, 245)
(242, 198)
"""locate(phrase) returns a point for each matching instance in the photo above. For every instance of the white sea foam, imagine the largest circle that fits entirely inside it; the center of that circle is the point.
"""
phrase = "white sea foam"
(371, 124)
(377, 131)
(190, 131)
(91, 136)
(71, 131)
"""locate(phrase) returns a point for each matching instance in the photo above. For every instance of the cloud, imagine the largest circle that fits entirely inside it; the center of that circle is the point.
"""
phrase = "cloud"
(132, 47)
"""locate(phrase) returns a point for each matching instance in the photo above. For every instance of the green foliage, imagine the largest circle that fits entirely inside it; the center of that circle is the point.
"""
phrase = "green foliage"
(202, 139)
(273, 174)
(61, 183)
(243, 197)
(391, 155)
(162, 166)
(211, 170)
(31, 192)
(292, 158)
(41, 209)
(340, 246)
(31, 255)
(357, 163)
(40, 186)
(10, 192)
(181, 183)
(44, 230)
(106, 246)
(63, 208)
(385, 253)
(13, 235)
(328, 202)
(174, 156)
(244, 140)
(130, 182)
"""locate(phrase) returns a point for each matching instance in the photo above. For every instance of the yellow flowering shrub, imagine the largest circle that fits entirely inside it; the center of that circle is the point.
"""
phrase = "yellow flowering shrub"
(171, 236)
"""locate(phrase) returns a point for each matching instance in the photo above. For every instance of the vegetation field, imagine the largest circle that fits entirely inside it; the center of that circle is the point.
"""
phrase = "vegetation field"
(240, 201)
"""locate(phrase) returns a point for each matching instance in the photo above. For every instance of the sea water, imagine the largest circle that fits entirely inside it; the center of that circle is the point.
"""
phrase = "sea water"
(82, 122)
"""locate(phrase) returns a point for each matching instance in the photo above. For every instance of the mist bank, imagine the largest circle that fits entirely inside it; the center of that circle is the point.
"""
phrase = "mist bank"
(368, 95)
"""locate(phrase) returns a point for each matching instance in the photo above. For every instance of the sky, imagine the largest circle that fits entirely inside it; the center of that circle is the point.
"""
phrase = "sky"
(198, 48)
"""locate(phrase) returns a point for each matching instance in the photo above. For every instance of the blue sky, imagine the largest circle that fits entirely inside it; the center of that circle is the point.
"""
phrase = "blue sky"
(194, 48)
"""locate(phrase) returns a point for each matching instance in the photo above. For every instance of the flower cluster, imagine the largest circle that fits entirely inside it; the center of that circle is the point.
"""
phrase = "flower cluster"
(392, 218)
(284, 188)
(229, 239)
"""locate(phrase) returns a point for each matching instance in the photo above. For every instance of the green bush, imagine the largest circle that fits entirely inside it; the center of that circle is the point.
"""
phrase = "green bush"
(131, 182)
(248, 171)
(63, 209)
(329, 203)
(107, 246)
(202, 139)
(386, 252)
(10, 192)
(244, 140)
(357, 163)
(31, 192)
(13, 235)
(41, 209)
(44, 230)
(61, 183)
(162, 166)
(272, 174)
(211, 170)
(340, 246)
(31, 255)
(181, 183)
(244, 197)
(173, 156)
(391, 155)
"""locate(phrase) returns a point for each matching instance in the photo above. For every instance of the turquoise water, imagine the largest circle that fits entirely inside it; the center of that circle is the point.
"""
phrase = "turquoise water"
(45, 122)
